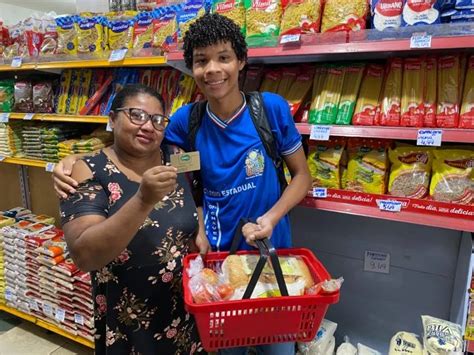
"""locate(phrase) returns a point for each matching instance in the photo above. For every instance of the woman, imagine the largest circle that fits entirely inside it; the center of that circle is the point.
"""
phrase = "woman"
(130, 222)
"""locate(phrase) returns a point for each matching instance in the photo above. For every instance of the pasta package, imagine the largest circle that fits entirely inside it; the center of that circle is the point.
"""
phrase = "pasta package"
(413, 106)
(410, 172)
(318, 87)
(263, 19)
(324, 160)
(120, 32)
(391, 97)
(350, 90)
(67, 35)
(467, 108)
(253, 78)
(368, 165)
(165, 27)
(271, 81)
(368, 103)
(288, 77)
(330, 96)
(143, 31)
(300, 16)
(344, 15)
(449, 72)
(232, 9)
(300, 89)
(50, 38)
(431, 85)
(453, 176)
(190, 12)
(90, 34)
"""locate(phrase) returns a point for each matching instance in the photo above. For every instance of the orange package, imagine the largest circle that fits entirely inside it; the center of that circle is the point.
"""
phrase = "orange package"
(449, 78)
(368, 102)
(413, 106)
(467, 108)
(391, 98)
(431, 86)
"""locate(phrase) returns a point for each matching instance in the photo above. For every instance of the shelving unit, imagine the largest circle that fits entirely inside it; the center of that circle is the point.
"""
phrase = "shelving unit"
(25, 162)
(60, 118)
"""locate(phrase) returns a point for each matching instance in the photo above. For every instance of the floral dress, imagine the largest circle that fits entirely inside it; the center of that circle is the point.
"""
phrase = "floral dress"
(138, 298)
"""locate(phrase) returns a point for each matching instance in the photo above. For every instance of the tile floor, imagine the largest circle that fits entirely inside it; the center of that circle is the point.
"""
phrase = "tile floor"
(18, 337)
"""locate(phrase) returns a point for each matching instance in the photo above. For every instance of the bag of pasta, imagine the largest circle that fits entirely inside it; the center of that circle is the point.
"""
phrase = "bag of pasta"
(143, 33)
(368, 103)
(288, 77)
(350, 90)
(120, 31)
(300, 89)
(413, 104)
(453, 176)
(300, 16)
(190, 12)
(324, 159)
(263, 19)
(271, 80)
(467, 108)
(410, 173)
(233, 9)
(368, 165)
(344, 15)
(449, 82)
(165, 27)
(90, 34)
(391, 97)
(67, 35)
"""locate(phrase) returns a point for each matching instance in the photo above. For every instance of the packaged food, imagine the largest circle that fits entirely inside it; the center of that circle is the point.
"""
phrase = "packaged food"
(300, 16)
(271, 80)
(318, 87)
(410, 172)
(43, 97)
(190, 12)
(386, 13)
(413, 107)
(165, 27)
(453, 176)
(449, 72)
(344, 15)
(346, 348)
(367, 167)
(72, 101)
(7, 99)
(143, 31)
(85, 84)
(350, 91)
(365, 350)
(50, 38)
(90, 34)
(416, 12)
(441, 336)
(67, 35)
(23, 96)
(300, 89)
(391, 97)
(64, 86)
(464, 4)
(431, 86)
(33, 28)
(323, 339)
(120, 32)
(324, 159)
(368, 103)
(288, 77)
(263, 18)
(232, 9)
(467, 108)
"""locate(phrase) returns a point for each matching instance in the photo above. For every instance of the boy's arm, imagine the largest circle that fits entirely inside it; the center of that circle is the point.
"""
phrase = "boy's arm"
(62, 181)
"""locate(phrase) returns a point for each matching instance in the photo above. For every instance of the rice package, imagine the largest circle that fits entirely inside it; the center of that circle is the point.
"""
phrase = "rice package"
(324, 160)
(441, 336)
(416, 12)
(467, 108)
(386, 13)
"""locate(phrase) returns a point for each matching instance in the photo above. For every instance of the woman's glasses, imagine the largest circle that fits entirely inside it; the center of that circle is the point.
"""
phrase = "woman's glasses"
(139, 117)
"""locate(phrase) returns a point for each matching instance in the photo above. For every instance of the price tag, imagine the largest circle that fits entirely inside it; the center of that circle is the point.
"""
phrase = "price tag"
(47, 309)
(60, 315)
(108, 128)
(320, 133)
(118, 54)
(377, 262)
(29, 116)
(2, 158)
(285, 39)
(4, 117)
(420, 40)
(78, 319)
(429, 137)
(320, 192)
(17, 62)
(33, 305)
(50, 167)
(8, 295)
(390, 205)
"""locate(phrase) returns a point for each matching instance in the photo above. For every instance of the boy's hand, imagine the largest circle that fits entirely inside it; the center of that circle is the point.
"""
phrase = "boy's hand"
(263, 229)
(203, 243)
(63, 183)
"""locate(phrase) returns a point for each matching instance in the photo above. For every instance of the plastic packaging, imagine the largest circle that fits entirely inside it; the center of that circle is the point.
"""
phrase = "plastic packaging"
(301, 16)
(323, 340)
(391, 97)
(344, 15)
(23, 96)
(386, 13)
(324, 160)
(449, 76)
(431, 85)
(467, 108)
(346, 348)
(368, 102)
(365, 350)
(7, 100)
(233, 9)
(43, 97)
(263, 18)
(404, 343)
(416, 12)
(350, 90)
(441, 336)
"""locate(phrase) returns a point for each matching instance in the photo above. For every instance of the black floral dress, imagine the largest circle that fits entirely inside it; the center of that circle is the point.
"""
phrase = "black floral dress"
(138, 298)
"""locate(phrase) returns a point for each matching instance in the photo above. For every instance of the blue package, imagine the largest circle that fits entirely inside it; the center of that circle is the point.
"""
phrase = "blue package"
(464, 4)
(446, 5)
(421, 12)
(446, 15)
(386, 13)
(463, 16)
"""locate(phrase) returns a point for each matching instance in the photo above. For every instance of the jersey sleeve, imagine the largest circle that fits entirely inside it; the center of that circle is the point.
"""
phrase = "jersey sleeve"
(176, 133)
(283, 126)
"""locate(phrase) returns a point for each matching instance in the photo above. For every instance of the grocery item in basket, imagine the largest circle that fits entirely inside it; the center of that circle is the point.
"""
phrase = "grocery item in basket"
(300, 16)
(263, 19)
(23, 96)
(449, 72)
(416, 12)
(345, 15)
(43, 97)
(67, 35)
(233, 9)
(386, 13)
(190, 12)
(441, 336)
(350, 90)
(431, 86)
(300, 89)
(90, 34)
(467, 108)
(413, 107)
(410, 172)
(324, 159)
(365, 350)
(404, 343)
(323, 338)
(391, 97)
(368, 102)
(7, 100)
(165, 27)
(453, 176)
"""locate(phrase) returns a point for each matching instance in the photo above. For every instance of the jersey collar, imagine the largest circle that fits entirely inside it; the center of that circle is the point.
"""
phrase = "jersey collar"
(221, 123)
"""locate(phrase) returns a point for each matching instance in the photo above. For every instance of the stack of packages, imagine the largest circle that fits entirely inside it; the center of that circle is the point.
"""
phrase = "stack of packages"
(51, 137)
(4, 222)
(10, 139)
(82, 300)
(31, 138)
(97, 140)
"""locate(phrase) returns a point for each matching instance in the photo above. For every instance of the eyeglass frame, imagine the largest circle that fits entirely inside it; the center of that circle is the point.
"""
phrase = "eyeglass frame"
(127, 111)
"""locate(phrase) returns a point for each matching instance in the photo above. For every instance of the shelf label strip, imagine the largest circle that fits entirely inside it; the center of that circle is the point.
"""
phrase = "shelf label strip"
(429, 137)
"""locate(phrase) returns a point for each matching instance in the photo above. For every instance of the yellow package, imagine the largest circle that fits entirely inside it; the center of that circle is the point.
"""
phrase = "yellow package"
(288, 77)
(191, 11)
(410, 172)
(90, 34)
(86, 80)
(344, 15)
(324, 160)
(431, 86)
(165, 28)
(65, 84)
(143, 32)
(120, 33)
(368, 103)
(300, 16)
(449, 72)
(453, 176)
(467, 108)
(318, 87)
(232, 9)
(300, 89)
(67, 35)
(391, 97)
(187, 86)
(271, 81)
(368, 165)
(413, 103)
(73, 97)
(263, 20)
(350, 90)
(328, 101)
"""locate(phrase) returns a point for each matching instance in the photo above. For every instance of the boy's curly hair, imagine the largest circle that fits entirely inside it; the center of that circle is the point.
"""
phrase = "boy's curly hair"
(209, 30)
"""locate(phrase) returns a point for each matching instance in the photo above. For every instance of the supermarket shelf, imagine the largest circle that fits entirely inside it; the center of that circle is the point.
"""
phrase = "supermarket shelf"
(408, 133)
(41, 323)
(61, 118)
(404, 216)
(25, 162)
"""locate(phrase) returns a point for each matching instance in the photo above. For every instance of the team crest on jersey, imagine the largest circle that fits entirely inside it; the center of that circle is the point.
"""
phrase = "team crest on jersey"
(254, 163)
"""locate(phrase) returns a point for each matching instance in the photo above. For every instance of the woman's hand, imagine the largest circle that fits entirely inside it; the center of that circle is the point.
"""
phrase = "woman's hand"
(262, 229)
(63, 183)
(157, 182)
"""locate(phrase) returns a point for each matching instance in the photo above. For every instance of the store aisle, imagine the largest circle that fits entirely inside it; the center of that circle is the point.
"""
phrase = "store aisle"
(19, 337)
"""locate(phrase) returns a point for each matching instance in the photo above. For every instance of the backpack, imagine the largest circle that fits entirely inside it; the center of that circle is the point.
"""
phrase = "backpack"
(259, 118)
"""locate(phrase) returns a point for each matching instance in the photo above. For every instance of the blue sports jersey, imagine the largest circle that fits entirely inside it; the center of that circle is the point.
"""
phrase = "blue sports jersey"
(238, 177)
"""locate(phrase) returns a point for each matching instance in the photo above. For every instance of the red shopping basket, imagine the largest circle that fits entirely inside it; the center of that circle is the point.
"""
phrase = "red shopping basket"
(250, 322)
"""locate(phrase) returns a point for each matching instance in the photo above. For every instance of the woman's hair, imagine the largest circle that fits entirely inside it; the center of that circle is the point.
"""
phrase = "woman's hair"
(132, 90)
(211, 29)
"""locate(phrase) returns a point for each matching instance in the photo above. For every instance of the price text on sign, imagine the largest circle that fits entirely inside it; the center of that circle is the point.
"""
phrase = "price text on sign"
(390, 206)
(290, 39)
(29, 116)
(118, 55)
(78, 319)
(4, 117)
(320, 192)
(16, 62)
(429, 137)
(60, 315)
(320, 133)
(420, 41)
(377, 262)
